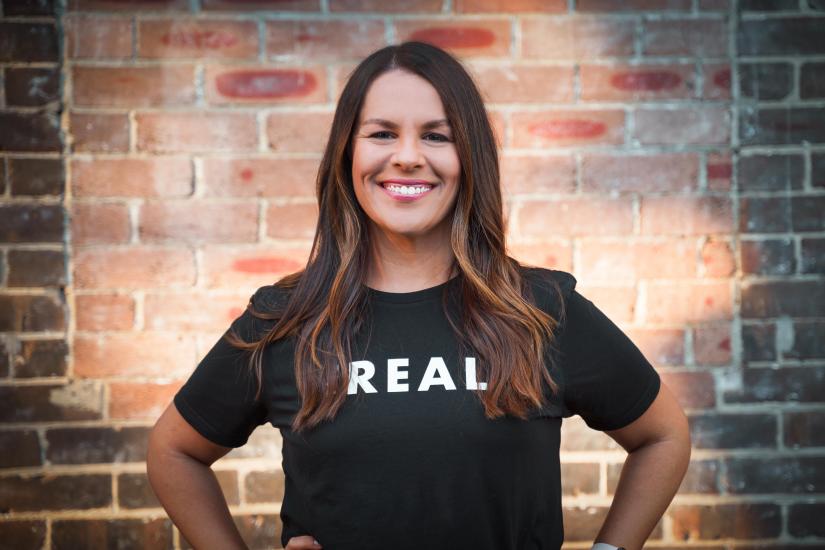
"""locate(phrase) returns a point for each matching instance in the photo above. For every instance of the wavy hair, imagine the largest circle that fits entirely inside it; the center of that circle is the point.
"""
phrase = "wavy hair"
(327, 305)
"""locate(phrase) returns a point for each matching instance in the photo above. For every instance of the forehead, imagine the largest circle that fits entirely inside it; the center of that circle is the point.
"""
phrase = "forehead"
(401, 95)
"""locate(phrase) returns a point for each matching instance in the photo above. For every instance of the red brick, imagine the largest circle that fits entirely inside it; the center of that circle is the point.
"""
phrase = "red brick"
(689, 302)
(104, 312)
(632, 5)
(470, 38)
(693, 390)
(686, 215)
(99, 132)
(635, 259)
(712, 345)
(617, 302)
(695, 126)
(212, 39)
(579, 127)
(719, 171)
(193, 312)
(234, 267)
(576, 39)
(637, 82)
(319, 40)
(293, 221)
(661, 346)
(575, 217)
(386, 6)
(128, 5)
(196, 132)
(99, 223)
(524, 84)
(133, 267)
(30, 493)
(298, 132)
(556, 254)
(522, 174)
(717, 77)
(98, 37)
(140, 400)
(24, 533)
(510, 6)
(133, 86)
(252, 5)
(255, 177)
(199, 221)
(725, 521)
(112, 533)
(134, 354)
(661, 173)
(699, 37)
(717, 259)
(132, 177)
(265, 84)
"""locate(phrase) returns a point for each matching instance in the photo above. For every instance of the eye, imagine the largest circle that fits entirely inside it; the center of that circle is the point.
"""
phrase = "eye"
(437, 137)
(381, 135)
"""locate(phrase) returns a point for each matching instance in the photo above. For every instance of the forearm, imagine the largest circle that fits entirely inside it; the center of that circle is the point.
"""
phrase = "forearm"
(190, 493)
(650, 477)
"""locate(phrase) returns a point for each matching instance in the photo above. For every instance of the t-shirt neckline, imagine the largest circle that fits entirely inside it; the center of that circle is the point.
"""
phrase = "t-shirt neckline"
(423, 295)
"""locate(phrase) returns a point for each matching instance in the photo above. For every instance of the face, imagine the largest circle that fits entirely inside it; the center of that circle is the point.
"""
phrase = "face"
(405, 167)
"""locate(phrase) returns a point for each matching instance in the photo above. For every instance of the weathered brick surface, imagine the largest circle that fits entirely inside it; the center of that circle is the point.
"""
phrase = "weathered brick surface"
(36, 177)
(119, 533)
(96, 445)
(55, 492)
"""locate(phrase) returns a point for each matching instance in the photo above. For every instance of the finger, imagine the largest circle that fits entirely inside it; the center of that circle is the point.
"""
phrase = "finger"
(304, 542)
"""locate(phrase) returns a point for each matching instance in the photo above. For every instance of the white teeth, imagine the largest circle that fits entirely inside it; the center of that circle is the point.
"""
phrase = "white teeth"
(407, 190)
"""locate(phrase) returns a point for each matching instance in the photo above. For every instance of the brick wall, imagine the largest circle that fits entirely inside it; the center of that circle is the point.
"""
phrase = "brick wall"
(158, 163)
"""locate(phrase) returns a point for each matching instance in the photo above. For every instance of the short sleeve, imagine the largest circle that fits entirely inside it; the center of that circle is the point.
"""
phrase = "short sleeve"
(607, 380)
(218, 399)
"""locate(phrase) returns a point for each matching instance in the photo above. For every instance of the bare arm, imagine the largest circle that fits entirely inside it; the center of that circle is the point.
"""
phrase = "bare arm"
(658, 444)
(178, 463)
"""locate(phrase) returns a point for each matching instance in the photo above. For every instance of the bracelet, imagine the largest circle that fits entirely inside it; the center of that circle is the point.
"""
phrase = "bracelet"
(605, 546)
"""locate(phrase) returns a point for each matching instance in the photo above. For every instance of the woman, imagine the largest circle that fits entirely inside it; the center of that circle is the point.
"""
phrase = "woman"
(418, 374)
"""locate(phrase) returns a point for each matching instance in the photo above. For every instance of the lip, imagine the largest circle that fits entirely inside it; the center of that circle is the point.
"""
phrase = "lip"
(400, 181)
(405, 198)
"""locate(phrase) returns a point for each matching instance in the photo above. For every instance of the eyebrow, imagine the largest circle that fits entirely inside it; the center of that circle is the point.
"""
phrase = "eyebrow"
(389, 124)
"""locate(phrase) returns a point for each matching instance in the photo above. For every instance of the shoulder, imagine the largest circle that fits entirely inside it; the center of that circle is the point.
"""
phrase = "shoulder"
(270, 298)
(551, 288)
(264, 307)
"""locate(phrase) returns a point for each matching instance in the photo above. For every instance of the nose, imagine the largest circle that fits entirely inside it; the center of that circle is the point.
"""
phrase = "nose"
(407, 154)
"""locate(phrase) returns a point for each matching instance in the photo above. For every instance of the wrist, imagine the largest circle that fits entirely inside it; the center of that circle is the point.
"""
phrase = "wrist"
(605, 546)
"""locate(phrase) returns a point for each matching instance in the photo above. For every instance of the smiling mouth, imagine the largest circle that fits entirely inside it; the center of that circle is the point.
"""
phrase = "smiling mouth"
(406, 189)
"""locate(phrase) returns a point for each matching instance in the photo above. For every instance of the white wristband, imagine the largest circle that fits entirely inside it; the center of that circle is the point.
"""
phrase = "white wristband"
(603, 546)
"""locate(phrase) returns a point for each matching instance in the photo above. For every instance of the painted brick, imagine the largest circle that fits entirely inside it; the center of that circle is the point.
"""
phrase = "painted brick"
(712, 345)
(781, 36)
(813, 256)
(693, 390)
(28, 41)
(811, 81)
(31, 313)
(764, 214)
(510, 6)
(634, 259)
(133, 86)
(252, 5)
(98, 37)
(196, 132)
(212, 39)
(227, 84)
(803, 429)
(575, 217)
(611, 6)
(694, 126)
(294, 221)
(133, 267)
(776, 172)
(713, 522)
(140, 400)
(717, 77)
(235, 267)
(799, 475)
(579, 127)
(193, 312)
(99, 132)
(30, 132)
(759, 342)
(31, 87)
(50, 403)
(24, 533)
(99, 223)
(765, 81)
(662, 173)
(128, 355)
(112, 533)
(661, 346)
(528, 174)
(717, 259)
(35, 176)
(198, 221)
(253, 177)
(55, 492)
(96, 445)
(686, 215)
(103, 312)
(689, 302)
(697, 37)
(26, 447)
(320, 40)
(637, 82)
(576, 39)
(785, 385)
(298, 132)
(40, 358)
(804, 519)
(781, 126)
(733, 431)
(719, 171)
(768, 257)
(132, 177)
(386, 6)
(468, 38)
(524, 84)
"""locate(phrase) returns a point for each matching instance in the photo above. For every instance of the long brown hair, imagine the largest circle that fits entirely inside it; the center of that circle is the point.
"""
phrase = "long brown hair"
(327, 301)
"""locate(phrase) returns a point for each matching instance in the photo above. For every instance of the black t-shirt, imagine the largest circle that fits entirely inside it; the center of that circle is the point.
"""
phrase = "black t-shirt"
(410, 461)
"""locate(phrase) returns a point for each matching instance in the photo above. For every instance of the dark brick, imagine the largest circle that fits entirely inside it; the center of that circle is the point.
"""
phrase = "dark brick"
(808, 342)
(134, 490)
(75, 401)
(28, 313)
(720, 521)
(26, 87)
(813, 256)
(28, 7)
(804, 429)
(100, 534)
(41, 358)
(799, 475)
(269, 486)
(55, 492)
(816, 4)
(785, 36)
(808, 213)
(759, 342)
(26, 41)
(805, 519)
(770, 172)
(259, 531)
(781, 125)
(5, 359)
(768, 257)
(764, 215)
(30, 132)
(3, 182)
(20, 448)
(812, 81)
(96, 445)
(140, 5)
(788, 384)
(818, 170)
(793, 298)
(31, 223)
(733, 431)
(765, 81)
(19, 534)
(768, 5)
(36, 177)
(36, 268)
